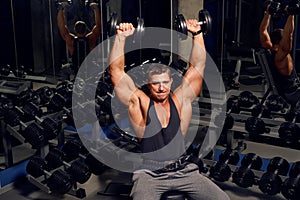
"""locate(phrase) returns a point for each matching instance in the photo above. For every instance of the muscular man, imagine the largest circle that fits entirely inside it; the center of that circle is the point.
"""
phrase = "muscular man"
(81, 42)
(279, 42)
(162, 117)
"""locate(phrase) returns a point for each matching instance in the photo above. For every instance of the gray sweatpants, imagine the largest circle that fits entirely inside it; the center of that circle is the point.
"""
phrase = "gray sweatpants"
(150, 186)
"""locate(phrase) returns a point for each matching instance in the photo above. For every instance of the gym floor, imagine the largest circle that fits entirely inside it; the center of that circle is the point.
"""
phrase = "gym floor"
(22, 189)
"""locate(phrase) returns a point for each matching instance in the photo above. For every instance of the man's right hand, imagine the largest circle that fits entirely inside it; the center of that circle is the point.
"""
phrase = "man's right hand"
(64, 4)
(125, 29)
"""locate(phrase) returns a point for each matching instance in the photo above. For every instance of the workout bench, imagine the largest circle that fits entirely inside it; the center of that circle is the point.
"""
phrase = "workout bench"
(263, 59)
(240, 54)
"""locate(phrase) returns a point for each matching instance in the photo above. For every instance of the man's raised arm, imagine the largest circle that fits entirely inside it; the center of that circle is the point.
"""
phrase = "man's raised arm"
(123, 84)
(288, 31)
(264, 36)
(193, 78)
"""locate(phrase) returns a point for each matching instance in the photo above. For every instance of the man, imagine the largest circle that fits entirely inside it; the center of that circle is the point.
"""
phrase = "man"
(279, 42)
(81, 42)
(161, 118)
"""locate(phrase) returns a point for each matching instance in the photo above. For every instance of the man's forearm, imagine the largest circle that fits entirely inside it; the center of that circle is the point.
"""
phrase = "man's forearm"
(265, 22)
(97, 16)
(289, 25)
(198, 53)
(117, 58)
(61, 23)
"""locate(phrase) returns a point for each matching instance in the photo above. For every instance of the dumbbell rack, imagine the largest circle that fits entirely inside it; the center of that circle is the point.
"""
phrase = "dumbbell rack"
(208, 163)
(8, 131)
(239, 125)
(40, 183)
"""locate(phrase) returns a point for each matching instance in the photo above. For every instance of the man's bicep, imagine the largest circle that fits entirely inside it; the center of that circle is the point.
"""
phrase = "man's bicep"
(189, 89)
(124, 87)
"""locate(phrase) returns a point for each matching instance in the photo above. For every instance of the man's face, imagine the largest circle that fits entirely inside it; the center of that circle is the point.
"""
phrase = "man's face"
(160, 86)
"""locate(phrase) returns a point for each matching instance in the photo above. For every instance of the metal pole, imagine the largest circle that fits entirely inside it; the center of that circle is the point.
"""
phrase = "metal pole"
(51, 38)
(239, 22)
(171, 36)
(295, 40)
(140, 42)
(14, 33)
(102, 37)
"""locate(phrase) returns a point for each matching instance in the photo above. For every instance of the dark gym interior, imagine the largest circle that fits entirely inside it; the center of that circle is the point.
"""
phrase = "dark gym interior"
(36, 98)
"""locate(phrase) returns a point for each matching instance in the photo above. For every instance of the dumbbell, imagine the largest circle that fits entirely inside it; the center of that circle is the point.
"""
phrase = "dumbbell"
(255, 125)
(32, 133)
(5, 70)
(244, 176)
(59, 6)
(27, 95)
(247, 99)
(77, 169)
(65, 88)
(293, 7)
(233, 107)
(88, 2)
(221, 171)
(205, 22)
(289, 130)
(45, 94)
(5, 105)
(74, 149)
(276, 103)
(290, 188)
(58, 180)
(112, 27)
(270, 182)
(51, 126)
(275, 8)
(19, 72)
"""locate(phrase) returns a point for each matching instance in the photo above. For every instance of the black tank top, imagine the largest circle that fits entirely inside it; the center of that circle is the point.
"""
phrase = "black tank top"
(156, 138)
(284, 84)
(81, 50)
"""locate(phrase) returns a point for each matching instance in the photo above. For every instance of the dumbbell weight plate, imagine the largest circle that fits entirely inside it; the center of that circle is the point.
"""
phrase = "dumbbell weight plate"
(140, 30)
(112, 24)
(243, 177)
(60, 182)
(290, 188)
(289, 132)
(270, 183)
(220, 172)
(205, 17)
(180, 26)
(252, 160)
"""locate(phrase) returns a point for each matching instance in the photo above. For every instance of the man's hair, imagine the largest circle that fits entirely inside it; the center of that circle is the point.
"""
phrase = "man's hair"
(157, 68)
(276, 36)
(80, 27)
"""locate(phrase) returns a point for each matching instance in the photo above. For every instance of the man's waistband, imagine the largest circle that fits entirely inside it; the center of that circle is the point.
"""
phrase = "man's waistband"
(166, 166)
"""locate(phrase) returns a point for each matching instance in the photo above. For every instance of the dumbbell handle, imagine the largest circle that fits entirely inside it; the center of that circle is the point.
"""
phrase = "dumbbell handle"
(201, 22)
(118, 27)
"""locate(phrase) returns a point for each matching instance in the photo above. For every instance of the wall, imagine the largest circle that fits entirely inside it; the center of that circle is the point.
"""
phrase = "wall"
(190, 10)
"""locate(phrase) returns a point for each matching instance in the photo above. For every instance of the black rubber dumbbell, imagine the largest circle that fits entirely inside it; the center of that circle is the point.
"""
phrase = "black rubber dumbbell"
(51, 126)
(74, 149)
(77, 169)
(57, 180)
(243, 176)
(221, 170)
(33, 133)
(270, 182)
(290, 188)
(247, 99)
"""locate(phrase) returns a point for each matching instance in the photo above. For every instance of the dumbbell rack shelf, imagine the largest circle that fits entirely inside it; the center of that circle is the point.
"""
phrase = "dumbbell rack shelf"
(15, 133)
(40, 183)
(258, 173)
(239, 125)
